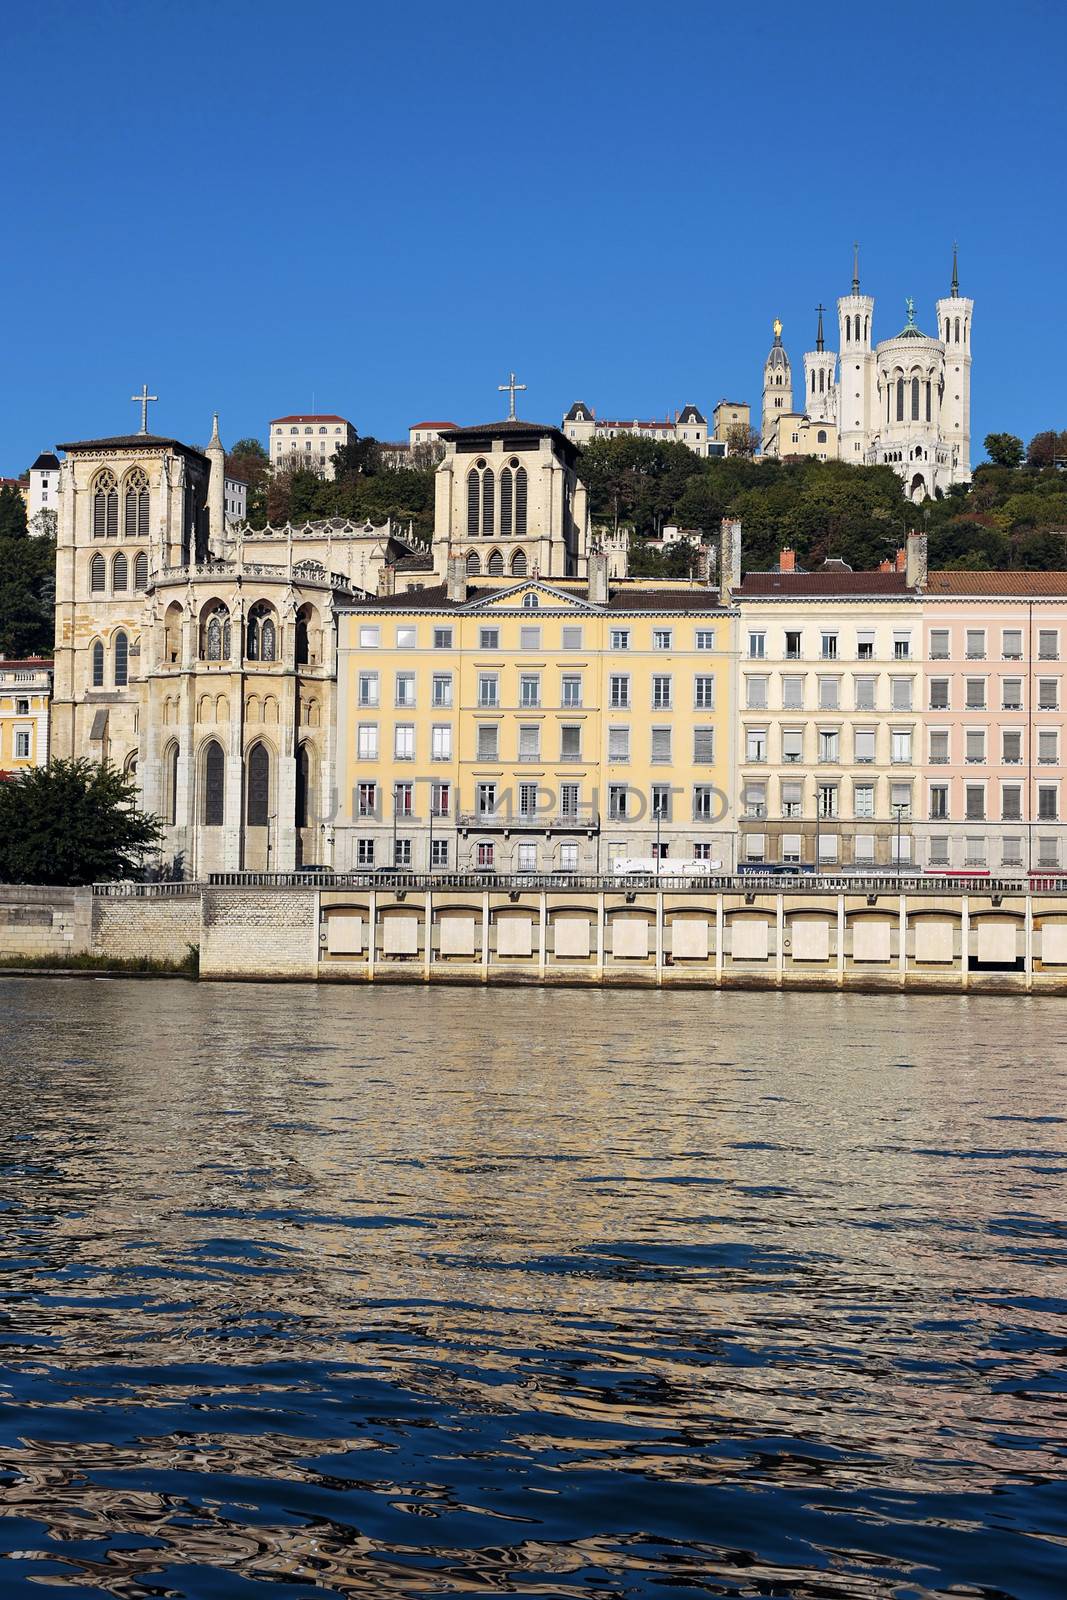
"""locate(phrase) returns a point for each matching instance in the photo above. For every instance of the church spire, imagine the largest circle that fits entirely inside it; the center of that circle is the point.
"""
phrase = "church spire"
(955, 272)
(215, 440)
(820, 342)
(855, 267)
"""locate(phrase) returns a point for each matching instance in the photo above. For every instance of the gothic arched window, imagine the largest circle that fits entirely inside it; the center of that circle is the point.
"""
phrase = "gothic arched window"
(120, 574)
(929, 401)
(214, 769)
(122, 661)
(258, 786)
(98, 665)
(507, 492)
(140, 571)
(261, 633)
(520, 502)
(488, 500)
(848, 328)
(915, 399)
(900, 399)
(495, 565)
(303, 786)
(956, 338)
(866, 326)
(473, 499)
(303, 636)
(474, 566)
(215, 633)
(105, 506)
(97, 575)
(518, 564)
(170, 785)
(820, 437)
(135, 521)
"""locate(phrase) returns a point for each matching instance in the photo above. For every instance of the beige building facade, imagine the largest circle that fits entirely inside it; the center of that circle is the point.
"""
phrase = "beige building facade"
(308, 442)
(25, 713)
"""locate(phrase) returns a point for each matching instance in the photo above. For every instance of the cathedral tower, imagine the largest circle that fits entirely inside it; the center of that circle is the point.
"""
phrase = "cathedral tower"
(954, 314)
(777, 390)
(820, 392)
(856, 386)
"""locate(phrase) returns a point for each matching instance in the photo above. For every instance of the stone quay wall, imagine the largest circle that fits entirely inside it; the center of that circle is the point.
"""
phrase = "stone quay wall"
(828, 935)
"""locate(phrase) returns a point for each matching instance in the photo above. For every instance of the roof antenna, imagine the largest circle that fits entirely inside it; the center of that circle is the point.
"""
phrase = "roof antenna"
(855, 267)
(955, 272)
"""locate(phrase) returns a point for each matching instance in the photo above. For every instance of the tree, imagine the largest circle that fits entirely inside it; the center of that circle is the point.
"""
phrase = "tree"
(1045, 449)
(27, 582)
(249, 462)
(742, 440)
(72, 823)
(1004, 449)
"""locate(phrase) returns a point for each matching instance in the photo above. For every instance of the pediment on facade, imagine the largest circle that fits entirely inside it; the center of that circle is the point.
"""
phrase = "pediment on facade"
(532, 595)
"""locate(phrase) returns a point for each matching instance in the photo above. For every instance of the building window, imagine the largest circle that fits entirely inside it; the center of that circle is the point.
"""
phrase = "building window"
(1011, 802)
(364, 852)
(489, 639)
(703, 802)
(140, 571)
(754, 799)
(136, 505)
(570, 742)
(486, 798)
(757, 646)
(122, 661)
(261, 633)
(829, 647)
(1011, 644)
(661, 638)
(529, 742)
(258, 780)
(620, 638)
(864, 743)
(488, 689)
(703, 746)
(661, 692)
(1012, 747)
(529, 689)
(488, 741)
(756, 694)
(939, 644)
(900, 746)
(569, 799)
(975, 644)
(617, 802)
(571, 691)
(829, 694)
(974, 801)
(367, 741)
(704, 692)
(439, 852)
(705, 639)
(572, 638)
(1048, 742)
(105, 506)
(792, 693)
(22, 744)
(1048, 644)
(404, 741)
(661, 746)
(369, 638)
(97, 575)
(619, 691)
(863, 799)
(214, 768)
(828, 744)
(215, 635)
(405, 689)
(368, 689)
(120, 574)
(1048, 804)
(618, 744)
(1048, 694)
(442, 638)
(367, 799)
(900, 690)
(756, 744)
(974, 741)
(939, 802)
(530, 602)
(441, 742)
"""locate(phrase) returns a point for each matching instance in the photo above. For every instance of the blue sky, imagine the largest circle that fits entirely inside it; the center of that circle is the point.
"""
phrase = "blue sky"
(382, 209)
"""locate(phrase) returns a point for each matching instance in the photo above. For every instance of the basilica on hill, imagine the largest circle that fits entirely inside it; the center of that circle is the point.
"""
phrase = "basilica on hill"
(200, 657)
(904, 402)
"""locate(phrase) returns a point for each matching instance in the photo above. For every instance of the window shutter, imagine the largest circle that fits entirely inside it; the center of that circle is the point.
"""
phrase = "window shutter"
(703, 745)
(140, 571)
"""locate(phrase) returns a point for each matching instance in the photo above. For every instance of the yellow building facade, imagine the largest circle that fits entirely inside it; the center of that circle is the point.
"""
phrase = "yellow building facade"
(25, 713)
(540, 727)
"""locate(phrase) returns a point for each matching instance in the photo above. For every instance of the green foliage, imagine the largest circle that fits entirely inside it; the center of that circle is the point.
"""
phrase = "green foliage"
(249, 461)
(136, 966)
(1012, 515)
(72, 822)
(1004, 449)
(363, 489)
(27, 582)
(1045, 449)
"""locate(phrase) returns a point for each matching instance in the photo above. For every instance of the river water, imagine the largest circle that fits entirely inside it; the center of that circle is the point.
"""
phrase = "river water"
(401, 1292)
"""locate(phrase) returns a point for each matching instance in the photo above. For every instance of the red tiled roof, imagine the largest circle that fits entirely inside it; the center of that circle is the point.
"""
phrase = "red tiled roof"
(313, 416)
(802, 585)
(435, 424)
(24, 663)
(1023, 584)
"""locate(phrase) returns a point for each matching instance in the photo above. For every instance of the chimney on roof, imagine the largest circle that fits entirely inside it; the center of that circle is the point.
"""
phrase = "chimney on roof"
(915, 560)
(885, 566)
(456, 578)
(787, 560)
(597, 572)
(386, 581)
(900, 560)
(729, 559)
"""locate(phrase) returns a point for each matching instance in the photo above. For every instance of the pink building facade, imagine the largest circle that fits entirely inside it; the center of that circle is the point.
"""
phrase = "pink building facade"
(992, 777)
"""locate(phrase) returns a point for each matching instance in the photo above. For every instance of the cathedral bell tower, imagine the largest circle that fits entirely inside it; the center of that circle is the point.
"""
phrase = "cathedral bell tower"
(777, 391)
(820, 391)
(856, 385)
(954, 315)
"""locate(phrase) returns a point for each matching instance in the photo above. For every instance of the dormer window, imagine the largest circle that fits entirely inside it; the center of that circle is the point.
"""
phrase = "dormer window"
(530, 602)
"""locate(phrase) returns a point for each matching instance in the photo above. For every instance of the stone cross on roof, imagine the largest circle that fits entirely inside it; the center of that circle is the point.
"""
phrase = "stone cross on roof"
(143, 400)
(509, 389)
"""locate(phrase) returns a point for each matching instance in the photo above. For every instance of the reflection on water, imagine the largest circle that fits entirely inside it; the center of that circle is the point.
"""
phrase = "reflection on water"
(402, 1292)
